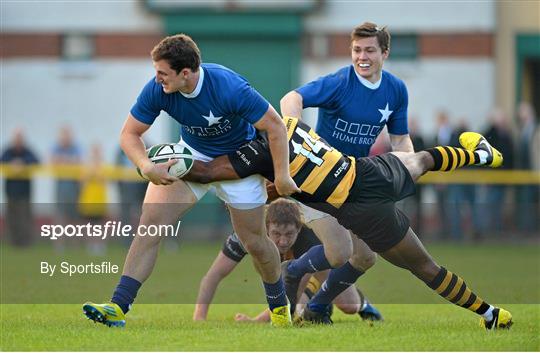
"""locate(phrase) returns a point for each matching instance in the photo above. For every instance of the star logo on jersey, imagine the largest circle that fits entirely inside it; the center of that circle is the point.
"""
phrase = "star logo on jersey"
(212, 119)
(385, 113)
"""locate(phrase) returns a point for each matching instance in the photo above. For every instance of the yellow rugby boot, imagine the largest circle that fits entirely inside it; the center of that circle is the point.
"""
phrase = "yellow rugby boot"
(473, 141)
(502, 319)
(281, 316)
(108, 314)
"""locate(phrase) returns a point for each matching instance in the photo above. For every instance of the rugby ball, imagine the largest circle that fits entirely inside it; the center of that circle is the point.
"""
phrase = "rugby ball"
(164, 152)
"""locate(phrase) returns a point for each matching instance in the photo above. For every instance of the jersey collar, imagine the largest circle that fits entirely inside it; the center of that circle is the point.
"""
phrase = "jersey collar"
(198, 88)
(367, 83)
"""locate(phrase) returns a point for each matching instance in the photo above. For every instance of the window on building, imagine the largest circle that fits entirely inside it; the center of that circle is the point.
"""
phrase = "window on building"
(77, 47)
(404, 47)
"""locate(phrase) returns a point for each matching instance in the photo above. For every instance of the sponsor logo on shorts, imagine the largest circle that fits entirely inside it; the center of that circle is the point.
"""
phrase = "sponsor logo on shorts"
(243, 158)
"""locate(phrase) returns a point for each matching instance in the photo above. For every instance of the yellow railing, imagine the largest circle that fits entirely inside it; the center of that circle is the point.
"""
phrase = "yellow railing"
(109, 172)
(476, 176)
(115, 173)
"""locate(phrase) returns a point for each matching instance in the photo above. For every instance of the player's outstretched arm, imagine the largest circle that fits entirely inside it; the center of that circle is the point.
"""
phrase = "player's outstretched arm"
(272, 124)
(264, 316)
(220, 269)
(402, 143)
(220, 168)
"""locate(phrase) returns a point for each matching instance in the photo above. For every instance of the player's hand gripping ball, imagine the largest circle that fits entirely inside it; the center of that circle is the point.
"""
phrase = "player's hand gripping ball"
(164, 152)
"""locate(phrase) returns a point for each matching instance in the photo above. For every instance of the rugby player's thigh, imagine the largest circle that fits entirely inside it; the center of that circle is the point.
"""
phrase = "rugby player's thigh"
(167, 203)
(325, 227)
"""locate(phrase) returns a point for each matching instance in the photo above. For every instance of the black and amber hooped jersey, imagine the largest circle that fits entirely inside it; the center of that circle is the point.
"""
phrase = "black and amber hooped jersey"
(317, 168)
(324, 174)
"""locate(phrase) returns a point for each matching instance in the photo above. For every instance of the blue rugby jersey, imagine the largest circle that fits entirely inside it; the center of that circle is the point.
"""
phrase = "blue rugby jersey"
(351, 115)
(216, 118)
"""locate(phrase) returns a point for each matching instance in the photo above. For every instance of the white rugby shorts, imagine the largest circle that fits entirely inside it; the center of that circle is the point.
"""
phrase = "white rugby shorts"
(243, 194)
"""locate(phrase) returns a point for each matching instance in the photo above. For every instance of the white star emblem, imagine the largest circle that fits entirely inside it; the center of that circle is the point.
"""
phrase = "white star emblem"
(385, 113)
(212, 119)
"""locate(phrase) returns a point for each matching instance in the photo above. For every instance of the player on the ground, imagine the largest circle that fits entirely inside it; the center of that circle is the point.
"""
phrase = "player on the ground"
(285, 229)
(354, 105)
(361, 194)
(218, 112)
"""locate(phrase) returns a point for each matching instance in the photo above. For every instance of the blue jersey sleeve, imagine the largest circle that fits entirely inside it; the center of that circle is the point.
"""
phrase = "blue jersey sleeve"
(247, 102)
(397, 124)
(148, 105)
(321, 92)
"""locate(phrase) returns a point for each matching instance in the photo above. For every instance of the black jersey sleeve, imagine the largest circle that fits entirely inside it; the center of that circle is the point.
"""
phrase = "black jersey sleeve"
(253, 158)
(305, 241)
(233, 248)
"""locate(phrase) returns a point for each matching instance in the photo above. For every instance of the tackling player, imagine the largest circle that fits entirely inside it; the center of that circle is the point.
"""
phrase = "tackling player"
(284, 226)
(354, 105)
(218, 112)
(361, 194)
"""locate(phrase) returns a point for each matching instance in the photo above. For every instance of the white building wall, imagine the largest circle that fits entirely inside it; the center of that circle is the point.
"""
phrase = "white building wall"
(95, 16)
(405, 16)
(335, 16)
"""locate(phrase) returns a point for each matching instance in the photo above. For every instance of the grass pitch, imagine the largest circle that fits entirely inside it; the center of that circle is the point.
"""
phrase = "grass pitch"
(168, 327)
(415, 318)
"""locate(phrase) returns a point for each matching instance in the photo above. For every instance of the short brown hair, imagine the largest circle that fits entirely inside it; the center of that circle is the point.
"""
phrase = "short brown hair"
(369, 29)
(180, 51)
(283, 211)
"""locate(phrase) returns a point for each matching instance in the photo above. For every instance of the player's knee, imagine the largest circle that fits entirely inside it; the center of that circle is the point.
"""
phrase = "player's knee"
(426, 270)
(150, 224)
(338, 257)
(255, 247)
(364, 261)
(349, 309)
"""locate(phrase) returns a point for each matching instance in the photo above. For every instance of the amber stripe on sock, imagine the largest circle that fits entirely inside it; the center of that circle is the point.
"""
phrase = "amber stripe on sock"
(448, 158)
(454, 289)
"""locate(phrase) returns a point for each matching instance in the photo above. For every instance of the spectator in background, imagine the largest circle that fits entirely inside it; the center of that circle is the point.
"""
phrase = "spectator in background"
(131, 194)
(18, 189)
(461, 195)
(498, 134)
(444, 135)
(93, 197)
(66, 156)
(527, 149)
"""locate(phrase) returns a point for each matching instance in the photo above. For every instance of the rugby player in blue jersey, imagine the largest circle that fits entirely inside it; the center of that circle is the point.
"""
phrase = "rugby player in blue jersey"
(355, 104)
(218, 112)
(361, 194)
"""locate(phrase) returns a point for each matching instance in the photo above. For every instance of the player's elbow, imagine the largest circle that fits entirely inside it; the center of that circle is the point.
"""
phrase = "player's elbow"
(285, 100)
(290, 102)
(212, 278)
